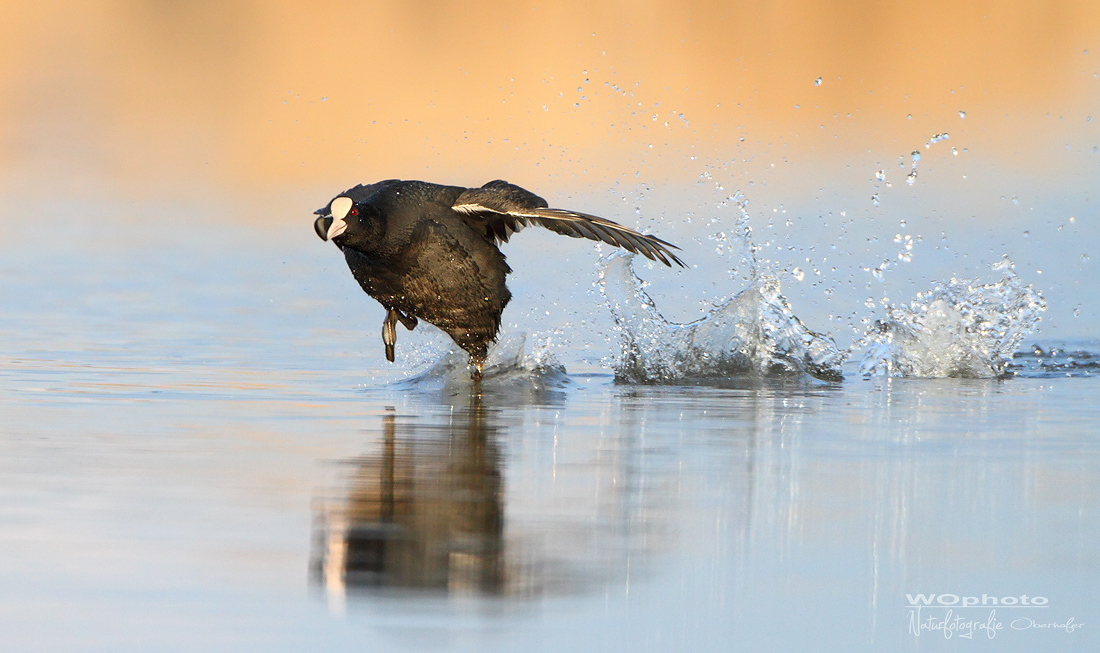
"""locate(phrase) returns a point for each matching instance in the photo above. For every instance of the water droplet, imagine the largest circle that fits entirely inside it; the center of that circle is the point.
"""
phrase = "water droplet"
(1027, 234)
(916, 156)
(874, 199)
(798, 274)
(909, 117)
(936, 138)
(880, 175)
(817, 82)
(1077, 311)
(326, 97)
(911, 177)
(954, 152)
(796, 106)
(962, 114)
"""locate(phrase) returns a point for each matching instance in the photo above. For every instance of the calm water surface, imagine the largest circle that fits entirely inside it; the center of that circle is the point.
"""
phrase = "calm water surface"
(202, 450)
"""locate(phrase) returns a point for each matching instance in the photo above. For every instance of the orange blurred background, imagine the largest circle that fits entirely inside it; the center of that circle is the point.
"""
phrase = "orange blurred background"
(150, 96)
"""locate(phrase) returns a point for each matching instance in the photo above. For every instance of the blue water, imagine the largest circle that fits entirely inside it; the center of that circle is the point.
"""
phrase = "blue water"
(196, 416)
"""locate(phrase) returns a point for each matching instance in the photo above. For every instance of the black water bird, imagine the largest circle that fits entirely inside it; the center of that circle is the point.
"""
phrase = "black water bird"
(429, 252)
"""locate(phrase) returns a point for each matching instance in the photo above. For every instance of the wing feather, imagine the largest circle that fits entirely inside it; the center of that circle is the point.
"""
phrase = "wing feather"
(499, 209)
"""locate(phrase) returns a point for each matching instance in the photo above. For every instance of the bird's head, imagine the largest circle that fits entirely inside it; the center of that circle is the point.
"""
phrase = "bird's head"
(353, 218)
(335, 217)
(349, 223)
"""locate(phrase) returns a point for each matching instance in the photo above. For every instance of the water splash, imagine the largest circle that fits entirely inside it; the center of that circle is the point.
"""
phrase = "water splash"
(957, 329)
(511, 365)
(752, 334)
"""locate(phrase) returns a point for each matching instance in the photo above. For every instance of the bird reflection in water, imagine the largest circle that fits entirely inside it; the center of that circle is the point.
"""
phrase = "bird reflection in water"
(426, 512)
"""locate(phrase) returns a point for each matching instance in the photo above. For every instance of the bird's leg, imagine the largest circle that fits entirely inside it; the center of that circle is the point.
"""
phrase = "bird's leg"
(408, 320)
(389, 333)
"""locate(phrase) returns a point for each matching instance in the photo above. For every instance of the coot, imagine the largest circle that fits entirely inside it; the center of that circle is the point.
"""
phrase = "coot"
(429, 252)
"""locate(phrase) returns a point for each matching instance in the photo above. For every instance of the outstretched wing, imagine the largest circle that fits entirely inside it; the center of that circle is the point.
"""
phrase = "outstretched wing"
(499, 209)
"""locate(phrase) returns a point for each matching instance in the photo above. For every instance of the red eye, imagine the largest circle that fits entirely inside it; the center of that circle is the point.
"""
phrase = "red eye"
(354, 211)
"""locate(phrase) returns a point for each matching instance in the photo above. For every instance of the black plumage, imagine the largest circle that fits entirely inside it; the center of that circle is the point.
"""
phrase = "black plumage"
(429, 252)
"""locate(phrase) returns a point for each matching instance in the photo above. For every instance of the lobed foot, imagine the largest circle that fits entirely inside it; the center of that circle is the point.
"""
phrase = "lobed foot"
(476, 365)
(389, 333)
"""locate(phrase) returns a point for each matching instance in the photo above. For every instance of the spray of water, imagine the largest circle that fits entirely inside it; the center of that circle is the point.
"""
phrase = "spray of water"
(956, 329)
(511, 364)
(754, 333)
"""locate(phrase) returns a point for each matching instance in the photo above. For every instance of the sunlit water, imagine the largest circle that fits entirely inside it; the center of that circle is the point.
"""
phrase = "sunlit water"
(202, 449)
